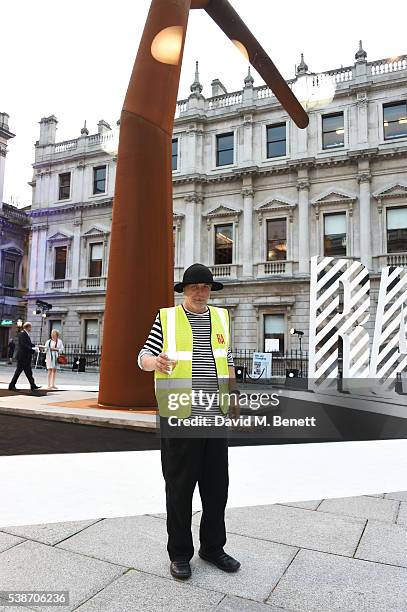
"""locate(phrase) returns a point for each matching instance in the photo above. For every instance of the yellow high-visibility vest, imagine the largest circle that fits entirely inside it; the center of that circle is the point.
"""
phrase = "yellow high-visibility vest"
(173, 391)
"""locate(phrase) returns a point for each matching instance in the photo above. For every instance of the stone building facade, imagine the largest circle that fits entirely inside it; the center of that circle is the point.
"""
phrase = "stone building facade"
(254, 198)
(14, 233)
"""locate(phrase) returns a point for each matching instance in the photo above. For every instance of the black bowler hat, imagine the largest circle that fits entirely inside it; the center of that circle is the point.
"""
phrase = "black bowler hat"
(197, 273)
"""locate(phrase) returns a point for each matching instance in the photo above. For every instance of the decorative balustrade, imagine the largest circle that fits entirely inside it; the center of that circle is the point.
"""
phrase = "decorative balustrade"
(397, 259)
(58, 284)
(385, 66)
(10, 292)
(67, 145)
(182, 106)
(275, 268)
(95, 282)
(340, 75)
(224, 271)
(230, 99)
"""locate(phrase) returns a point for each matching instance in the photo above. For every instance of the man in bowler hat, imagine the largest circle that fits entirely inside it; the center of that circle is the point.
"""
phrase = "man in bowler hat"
(186, 461)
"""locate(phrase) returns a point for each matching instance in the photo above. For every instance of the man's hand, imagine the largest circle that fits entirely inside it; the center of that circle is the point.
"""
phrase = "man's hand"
(161, 363)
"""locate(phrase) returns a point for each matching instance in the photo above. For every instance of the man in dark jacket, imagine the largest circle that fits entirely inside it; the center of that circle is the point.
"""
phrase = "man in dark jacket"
(25, 351)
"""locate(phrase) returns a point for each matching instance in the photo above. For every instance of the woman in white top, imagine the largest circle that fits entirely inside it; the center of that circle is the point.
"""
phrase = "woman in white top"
(53, 348)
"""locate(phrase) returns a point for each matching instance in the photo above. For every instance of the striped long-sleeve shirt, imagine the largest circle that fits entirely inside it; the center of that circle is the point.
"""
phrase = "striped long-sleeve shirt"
(204, 377)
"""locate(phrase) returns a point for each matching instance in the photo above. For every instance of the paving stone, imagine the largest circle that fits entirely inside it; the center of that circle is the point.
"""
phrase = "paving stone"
(140, 542)
(323, 582)
(138, 592)
(7, 541)
(311, 504)
(384, 543)
(362, 507)
(49, 533)
(230, 604)
(400, 495)
(375, 495)
(35, 566)
(296, 527)
(402, 515)
(262, 565)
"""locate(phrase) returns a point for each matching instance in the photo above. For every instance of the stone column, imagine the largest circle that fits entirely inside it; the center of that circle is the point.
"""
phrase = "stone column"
(41, 261)
(33, 259)
(76, 254)
(193, 206)
(365, 225)
(247, 193)
(303, 186)
(3, 153)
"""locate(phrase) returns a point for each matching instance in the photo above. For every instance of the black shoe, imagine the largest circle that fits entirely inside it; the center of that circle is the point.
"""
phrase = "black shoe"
(35, 392)
(35, 387)
(221, 560)
(180, 569)
(11, 388)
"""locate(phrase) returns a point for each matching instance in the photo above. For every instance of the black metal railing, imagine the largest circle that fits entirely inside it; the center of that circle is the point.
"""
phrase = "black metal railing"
(78, 356)
(282, 364)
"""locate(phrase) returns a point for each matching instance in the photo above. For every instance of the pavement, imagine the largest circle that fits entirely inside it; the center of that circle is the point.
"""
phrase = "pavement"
(343, 554)
(334, 554)
(75, 401)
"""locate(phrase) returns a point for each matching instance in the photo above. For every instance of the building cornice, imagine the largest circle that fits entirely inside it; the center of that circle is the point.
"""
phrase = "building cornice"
(69, 208)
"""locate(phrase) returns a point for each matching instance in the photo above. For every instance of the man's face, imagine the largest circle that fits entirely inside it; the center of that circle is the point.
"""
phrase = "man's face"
(28, 329)
(198, 293)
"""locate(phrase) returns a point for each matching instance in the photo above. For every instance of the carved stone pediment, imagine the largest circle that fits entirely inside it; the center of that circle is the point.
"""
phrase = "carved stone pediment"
(95, 232)
(59, 237)
(12, 250)
(396, 191)
(336, 199)
(223, 211)
(276, 204)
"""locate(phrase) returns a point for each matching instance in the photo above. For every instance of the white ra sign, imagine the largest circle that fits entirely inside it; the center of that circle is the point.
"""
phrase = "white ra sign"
(339, 309)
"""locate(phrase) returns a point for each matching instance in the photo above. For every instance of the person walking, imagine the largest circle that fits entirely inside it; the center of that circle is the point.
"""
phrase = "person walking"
(188, 348)
(11, 347)
(25, 350)
(53, 348)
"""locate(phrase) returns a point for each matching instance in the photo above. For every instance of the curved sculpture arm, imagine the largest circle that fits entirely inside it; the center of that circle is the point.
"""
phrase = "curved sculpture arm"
(234, 27)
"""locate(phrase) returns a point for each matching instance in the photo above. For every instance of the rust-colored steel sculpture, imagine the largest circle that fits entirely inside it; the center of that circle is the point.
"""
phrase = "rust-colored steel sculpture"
(140, 277)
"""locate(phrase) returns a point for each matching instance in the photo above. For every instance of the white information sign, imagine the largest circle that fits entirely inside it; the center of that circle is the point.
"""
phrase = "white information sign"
(261, 363)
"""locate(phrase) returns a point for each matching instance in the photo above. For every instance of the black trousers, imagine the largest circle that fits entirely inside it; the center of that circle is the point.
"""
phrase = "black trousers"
(23, 366)
(185, 462)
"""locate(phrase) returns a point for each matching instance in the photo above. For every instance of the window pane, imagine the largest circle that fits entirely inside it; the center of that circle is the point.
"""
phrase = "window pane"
(175, 154)
(225, 158)
(223, 244)
(9, 272)
(60, 262)
(396, 218)
(96, 250)
(274, 326)
(335, 224)
(275, 149)
(276, 239)
(335, 235)
(397, 240)
(64, 185)
(332, 122)
(276, 132)
(55, 324)
(394, 112)
(395, 129)
(91, 333)
(225, 141)
(332, 140)
(99, 179)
